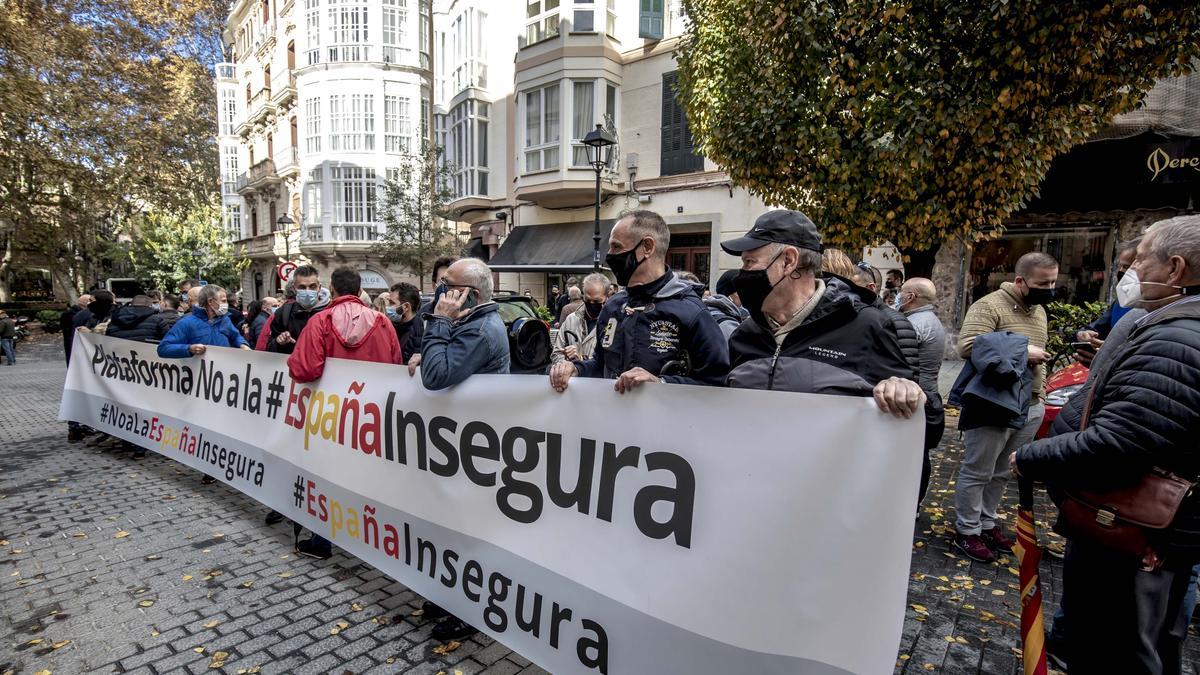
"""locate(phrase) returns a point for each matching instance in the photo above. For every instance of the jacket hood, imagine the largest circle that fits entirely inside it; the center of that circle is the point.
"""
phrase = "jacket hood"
(130, 316)
(723, 305)
(676, 286)
(351, 320)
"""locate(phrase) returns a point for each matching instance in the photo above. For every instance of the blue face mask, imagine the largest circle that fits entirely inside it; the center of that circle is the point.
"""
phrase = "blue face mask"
(306, 298)
(391, 312)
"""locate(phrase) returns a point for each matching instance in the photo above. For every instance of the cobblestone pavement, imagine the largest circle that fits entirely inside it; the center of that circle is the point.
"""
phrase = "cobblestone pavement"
(109, 564)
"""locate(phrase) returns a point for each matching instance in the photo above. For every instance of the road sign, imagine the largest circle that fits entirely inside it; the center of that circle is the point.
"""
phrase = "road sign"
(285, 271)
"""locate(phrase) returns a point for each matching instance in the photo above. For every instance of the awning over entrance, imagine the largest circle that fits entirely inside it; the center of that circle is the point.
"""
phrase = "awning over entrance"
(560, 247)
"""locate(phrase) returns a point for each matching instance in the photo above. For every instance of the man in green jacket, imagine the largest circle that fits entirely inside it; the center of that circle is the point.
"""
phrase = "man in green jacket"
(1017, 307)
(8, 331)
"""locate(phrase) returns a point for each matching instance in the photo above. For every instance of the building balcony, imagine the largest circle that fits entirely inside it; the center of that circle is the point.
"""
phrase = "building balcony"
(557, 188)
(261, 174)
(285, 91)
(226, 71)
(287, 163)
(259, 109)
(319, 239)
(265, 39)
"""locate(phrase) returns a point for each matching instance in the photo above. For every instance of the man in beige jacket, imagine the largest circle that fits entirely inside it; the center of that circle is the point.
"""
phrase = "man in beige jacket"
(576, 339)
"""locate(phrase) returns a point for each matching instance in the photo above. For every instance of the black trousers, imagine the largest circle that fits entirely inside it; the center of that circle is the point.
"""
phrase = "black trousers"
(1123, 620)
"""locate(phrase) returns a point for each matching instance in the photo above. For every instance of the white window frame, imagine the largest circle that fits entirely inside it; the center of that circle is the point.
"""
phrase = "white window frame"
(354, 190)
(349, 31)
(352, 122)
(541, 20)
(312, 125)
(578, 149)
(233, 221)
(312, 31)
(394, 26)
(397, 124)
(544, 144)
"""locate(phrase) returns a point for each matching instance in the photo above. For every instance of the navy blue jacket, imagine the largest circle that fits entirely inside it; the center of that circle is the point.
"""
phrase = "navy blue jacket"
(674, 323)
(133, 323)
(996, 384)
(196, 329)
(452, 351)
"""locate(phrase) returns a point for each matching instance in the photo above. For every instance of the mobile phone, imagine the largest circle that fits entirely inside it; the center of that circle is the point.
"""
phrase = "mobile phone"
(1084, 346)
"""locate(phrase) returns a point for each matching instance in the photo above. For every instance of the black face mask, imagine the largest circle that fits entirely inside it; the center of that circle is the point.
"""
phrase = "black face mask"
(1040, 296)
(592, 309)
(753, 287)
(624, 264)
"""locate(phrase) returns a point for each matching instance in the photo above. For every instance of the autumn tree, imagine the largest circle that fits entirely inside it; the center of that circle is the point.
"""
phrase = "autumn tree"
(414, 213)
(915, 121)
(106, 107)
(174, 245)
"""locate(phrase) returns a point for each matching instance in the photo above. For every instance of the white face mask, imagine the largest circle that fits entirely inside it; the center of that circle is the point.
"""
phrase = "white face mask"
(1129, 290)
(223, 309)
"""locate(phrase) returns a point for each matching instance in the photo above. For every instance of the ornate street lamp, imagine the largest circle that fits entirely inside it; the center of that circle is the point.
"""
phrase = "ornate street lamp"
(285, 223)
(599, 150)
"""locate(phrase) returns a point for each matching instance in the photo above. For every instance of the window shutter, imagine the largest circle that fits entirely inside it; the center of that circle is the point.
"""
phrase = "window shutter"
(678, 148)
(650, 20)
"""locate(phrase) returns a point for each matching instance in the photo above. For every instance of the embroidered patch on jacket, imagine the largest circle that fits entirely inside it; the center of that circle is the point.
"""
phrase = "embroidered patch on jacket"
(610, 332)
(831, 354)
(664, 336)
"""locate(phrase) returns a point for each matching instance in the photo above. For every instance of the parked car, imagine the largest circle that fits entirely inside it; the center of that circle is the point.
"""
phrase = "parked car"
(1060, 387)
(528, 335)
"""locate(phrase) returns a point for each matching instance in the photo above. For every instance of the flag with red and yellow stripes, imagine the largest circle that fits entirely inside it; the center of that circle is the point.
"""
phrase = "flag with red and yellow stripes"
(1033, 632)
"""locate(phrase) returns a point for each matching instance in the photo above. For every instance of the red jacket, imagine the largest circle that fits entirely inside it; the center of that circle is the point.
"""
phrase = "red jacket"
(348, 329)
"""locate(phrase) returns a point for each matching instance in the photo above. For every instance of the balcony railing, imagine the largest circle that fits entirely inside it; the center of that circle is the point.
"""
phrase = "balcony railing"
(226, 71)
(266, 33)
(262, 170)
(338, 53)
(314, 233)
(286, 160)
(355, 233)
(260, 99)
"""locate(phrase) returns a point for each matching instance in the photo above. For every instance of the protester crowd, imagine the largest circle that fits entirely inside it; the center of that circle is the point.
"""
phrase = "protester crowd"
(801, 317)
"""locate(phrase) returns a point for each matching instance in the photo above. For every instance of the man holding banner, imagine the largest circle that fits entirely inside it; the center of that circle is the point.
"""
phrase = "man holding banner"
(807, 334)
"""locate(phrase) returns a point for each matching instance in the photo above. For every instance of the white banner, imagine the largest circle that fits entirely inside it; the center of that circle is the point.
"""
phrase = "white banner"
(677, 529)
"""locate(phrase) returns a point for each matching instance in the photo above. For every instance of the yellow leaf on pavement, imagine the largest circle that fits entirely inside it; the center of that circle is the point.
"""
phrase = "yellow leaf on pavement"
(212, 624)
(187, 577)
(121, 535)
(60, 644)
(146, 603)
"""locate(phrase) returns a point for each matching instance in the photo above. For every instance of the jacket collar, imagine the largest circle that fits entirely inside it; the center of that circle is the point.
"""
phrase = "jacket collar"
(1186, 308)
(1018, 302)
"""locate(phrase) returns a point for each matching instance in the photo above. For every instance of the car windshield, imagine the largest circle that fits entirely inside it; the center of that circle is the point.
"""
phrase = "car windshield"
(513, 309)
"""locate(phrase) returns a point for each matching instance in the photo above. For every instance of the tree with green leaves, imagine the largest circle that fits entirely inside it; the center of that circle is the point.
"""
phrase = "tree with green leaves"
(106, 108)
(915, 120)
(414, 212)
(165, 244)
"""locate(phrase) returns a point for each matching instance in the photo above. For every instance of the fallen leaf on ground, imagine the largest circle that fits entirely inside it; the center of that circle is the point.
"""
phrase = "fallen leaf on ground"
(997, 592)
(35, 641)
(447, 648)
(356, 607)
(60, 644)
(80, 535)
(187, 577)
(198, 650)
(42, 672)
(284, 575)
(153, 557)
(417, 612)
(247, 584)
(146, 603)
(121, 535)
(212, 624)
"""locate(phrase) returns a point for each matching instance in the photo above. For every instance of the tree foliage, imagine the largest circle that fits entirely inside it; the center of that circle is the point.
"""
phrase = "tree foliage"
(414, 213)
(162, 251)
(107, 107)
(915, 120)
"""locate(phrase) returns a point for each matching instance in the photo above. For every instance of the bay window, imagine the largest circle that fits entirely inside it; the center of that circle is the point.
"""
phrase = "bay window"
(542, 132)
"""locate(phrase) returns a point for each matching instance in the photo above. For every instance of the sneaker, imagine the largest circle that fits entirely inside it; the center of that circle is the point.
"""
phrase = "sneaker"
(139, 453)
(207, 480)
(995, 540)
(453, 628)
(274, 517)
(973, 547)
(313, 549)
(431, 611)
(74, 436)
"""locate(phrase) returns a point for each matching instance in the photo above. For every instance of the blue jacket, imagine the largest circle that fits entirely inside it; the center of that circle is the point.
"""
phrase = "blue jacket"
(196, 329)
(996, 385)
(452, 351)
(672, 325)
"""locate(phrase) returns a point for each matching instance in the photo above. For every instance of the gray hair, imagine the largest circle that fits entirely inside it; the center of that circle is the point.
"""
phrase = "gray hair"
(573, 294)
(208, 292)
(807, 260)
(1178, 236)
(476, 273)
(596, 279)
(644, 224)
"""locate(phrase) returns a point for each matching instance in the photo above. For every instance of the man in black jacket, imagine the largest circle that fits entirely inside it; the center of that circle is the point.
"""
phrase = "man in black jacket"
(657, 329)
(402, 310)
(808, 334)
(134, 321)
(1143, 413)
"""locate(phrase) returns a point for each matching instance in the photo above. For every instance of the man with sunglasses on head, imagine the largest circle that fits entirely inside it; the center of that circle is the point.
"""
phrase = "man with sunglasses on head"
(465, 334)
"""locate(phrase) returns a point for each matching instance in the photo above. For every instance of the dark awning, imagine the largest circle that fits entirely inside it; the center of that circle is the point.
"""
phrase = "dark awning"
(560, 247)
(476, 249)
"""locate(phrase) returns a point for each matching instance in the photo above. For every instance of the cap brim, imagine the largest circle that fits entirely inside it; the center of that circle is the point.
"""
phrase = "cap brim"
(741, 245)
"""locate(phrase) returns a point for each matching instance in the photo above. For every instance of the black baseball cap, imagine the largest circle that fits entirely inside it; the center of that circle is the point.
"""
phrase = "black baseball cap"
(725, 283)
(777, 227)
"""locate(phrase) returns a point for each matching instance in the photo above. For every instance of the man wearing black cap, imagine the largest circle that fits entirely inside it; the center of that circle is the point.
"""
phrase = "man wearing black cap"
(808, 334)
(656, 329)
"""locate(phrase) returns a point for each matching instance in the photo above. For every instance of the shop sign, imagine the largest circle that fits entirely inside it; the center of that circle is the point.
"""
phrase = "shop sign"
(1174, 162)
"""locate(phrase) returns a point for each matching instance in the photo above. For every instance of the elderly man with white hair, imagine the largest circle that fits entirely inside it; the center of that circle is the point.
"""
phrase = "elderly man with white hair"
(465, 334)
(576, 339)
(1140, 423)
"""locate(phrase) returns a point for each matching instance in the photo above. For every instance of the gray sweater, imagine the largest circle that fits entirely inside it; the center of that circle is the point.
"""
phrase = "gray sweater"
(931, 341)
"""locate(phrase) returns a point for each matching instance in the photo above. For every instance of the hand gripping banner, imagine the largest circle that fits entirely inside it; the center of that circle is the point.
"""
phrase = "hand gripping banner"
(677, 529)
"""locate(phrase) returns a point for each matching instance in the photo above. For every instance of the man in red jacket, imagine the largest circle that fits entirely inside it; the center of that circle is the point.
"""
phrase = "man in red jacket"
(348, 329)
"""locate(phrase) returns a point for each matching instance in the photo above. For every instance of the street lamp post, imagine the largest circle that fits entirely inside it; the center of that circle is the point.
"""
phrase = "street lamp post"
(285, 223)
(599, 149)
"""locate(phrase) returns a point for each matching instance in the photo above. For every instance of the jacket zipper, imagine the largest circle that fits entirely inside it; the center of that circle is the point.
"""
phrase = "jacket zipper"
(774, 360)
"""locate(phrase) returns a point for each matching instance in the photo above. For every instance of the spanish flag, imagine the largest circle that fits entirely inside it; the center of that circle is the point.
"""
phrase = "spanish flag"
(1033, 632)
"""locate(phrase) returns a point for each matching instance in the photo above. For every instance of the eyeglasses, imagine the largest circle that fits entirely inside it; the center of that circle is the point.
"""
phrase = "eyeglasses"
(863, 265)
(443, 284)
